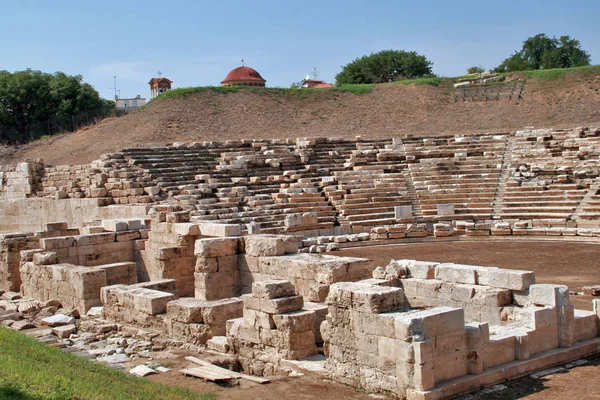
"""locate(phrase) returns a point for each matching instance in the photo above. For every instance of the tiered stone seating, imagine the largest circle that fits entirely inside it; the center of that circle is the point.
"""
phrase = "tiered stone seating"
(498, 91)
(534, 174)
(172, 168)
(460, 172)
(551, 171)
(557, 201)
(590, 209)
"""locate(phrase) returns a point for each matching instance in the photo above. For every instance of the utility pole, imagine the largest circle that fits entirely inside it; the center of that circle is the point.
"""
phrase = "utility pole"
(315, 73)
(115, 87)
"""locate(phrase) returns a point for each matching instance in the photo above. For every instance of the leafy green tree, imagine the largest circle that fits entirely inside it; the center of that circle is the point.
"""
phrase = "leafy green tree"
(542, 52)
(29, 99)
(475, 70)
(385, 66)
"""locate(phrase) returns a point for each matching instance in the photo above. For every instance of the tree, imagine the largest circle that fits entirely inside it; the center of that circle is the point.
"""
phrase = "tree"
(385, 66)
(30, 99)
(475, 70)
(542, 52)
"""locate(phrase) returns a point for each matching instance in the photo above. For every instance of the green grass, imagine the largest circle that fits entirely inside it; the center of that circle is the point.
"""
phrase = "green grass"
(421, 81)
(359, 90)
(552, 74)
(296, 93)
(30, 370)
(356, 89)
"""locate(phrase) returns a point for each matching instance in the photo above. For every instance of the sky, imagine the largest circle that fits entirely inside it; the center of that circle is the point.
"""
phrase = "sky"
(196, 43)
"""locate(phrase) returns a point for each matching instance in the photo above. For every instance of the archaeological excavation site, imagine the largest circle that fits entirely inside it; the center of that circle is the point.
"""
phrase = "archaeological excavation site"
(240, 250)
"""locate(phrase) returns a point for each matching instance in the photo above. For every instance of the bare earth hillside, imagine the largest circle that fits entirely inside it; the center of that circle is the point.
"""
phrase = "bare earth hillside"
(389, 110)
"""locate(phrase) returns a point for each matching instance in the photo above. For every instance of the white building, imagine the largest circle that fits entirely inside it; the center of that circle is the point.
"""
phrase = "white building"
(130, 104)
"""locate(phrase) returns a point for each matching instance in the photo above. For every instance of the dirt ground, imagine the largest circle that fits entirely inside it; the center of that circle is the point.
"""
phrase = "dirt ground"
(573, 264)
(567, 263)
(390, 110)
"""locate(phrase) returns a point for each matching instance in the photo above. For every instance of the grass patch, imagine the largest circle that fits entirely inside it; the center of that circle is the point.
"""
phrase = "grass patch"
(421, 81)
(556, 73)
(30, 370)
(356, 89)
(291, 92)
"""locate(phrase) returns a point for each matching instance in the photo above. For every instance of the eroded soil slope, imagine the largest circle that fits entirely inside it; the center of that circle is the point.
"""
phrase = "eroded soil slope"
(389, 110)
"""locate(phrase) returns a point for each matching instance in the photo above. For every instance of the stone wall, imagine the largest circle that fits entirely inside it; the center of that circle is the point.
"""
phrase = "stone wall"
(419, 325)
(274, 327)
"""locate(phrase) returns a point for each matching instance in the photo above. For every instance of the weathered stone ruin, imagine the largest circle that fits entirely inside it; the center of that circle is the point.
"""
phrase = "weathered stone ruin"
(220, 246)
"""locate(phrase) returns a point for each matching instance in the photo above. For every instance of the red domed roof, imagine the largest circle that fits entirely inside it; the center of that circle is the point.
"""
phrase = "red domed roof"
(243, 74)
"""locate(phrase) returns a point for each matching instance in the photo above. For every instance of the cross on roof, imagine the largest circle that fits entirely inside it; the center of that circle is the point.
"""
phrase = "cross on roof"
(159, 73)
(242, 62)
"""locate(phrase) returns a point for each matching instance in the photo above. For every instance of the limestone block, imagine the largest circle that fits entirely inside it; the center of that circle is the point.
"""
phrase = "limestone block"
(264, 245)
(445, 209)
(114, 225)
(150, 301)
(549, 295)
(186, 229)
(488, 296)
(293, 220)
(506, 278)
(295, 321)
(63, 332)
(271, 289)
(291, 244)
(430, 323)
(396, 269)
(376, 299)
(419, 269)
(58, 320)
(220, 230)
(403, 212)
(273, 306)
(45, 258)
(218, 312)
(456, 273)
(186, 309)
(310, 218)
(253, 228)
(318, 292)
(56, 226)
(216, 247)
(258, 319)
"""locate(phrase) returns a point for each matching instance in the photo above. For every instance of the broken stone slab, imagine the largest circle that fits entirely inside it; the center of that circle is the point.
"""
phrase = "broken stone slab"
(591, 290)
(141, 371)
(104, 328)
(64, 331)
(114, 359)
(11, 296)
(273, 306)
(95, 312)
(419, 269)
(22, 325)
(218, 343)
(271, 289)
(58, 320)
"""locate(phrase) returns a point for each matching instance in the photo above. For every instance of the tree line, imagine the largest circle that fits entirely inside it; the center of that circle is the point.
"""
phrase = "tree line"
(30, 100)
(538, 52)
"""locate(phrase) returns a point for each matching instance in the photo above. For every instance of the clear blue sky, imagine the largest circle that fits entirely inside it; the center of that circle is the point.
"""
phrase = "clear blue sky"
(197, 42)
